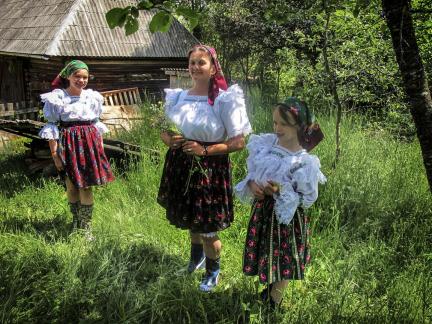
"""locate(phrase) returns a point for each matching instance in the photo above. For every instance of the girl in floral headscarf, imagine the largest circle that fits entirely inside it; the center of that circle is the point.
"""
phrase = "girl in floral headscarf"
(282, 179)
(195, 188)
(75, 133)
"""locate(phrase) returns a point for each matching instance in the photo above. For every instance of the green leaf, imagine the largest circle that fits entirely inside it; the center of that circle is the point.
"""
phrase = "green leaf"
(186, 12)
(193, 22)
(134, 12)
(360, 5)
(161, 22)
(115, 16)
(131, 25)
(145, 5)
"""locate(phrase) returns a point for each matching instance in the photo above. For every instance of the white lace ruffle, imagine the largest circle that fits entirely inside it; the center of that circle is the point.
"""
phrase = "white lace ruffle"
(49, 131)
(243, 191)
(101, 127)
(286, 203)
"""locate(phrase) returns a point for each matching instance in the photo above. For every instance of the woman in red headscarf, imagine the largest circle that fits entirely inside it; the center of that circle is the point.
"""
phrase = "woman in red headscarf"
(195, 188)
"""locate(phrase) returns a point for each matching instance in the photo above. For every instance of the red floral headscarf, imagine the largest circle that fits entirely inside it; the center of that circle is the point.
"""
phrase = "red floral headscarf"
(217, 81)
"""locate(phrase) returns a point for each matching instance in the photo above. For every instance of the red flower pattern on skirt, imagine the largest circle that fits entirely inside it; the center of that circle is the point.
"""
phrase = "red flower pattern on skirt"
(83, 157)
(293, 246)
(206, 205)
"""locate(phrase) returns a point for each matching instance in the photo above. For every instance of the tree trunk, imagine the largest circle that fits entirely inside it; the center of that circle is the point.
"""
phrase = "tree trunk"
(399, 22)
(332, 82)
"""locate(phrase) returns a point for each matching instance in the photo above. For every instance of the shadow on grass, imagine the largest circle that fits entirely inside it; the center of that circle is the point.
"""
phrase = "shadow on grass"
(15, 176)
(51, 229)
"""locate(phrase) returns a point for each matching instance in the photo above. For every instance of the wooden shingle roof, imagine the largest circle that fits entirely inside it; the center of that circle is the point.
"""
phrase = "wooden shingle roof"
(78, 28)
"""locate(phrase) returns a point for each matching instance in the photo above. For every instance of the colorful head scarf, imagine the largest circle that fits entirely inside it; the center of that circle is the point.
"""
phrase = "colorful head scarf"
(217, 81)
(310, 133)
(69, 68)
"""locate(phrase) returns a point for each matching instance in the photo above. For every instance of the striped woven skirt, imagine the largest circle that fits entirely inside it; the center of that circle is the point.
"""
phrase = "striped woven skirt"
(81, 151)
(274, 251)
(197, 192)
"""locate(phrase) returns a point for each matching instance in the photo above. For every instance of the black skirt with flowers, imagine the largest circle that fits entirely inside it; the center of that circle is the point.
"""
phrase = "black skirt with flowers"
(197, 192)
(274, 251)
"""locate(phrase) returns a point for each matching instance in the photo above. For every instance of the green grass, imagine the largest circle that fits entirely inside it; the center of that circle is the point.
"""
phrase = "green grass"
(370, 246)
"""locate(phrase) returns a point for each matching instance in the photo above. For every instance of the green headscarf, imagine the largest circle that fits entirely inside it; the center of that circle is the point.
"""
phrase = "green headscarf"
(71, 67)
(300, 110)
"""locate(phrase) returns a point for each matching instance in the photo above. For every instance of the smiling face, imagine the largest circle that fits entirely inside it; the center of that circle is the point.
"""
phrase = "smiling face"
(201, 67)
(285, 127)
(78, 80)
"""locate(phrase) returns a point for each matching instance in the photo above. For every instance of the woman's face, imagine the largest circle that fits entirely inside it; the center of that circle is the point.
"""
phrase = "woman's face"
(201, 68)
(286, 132)
(79, 79)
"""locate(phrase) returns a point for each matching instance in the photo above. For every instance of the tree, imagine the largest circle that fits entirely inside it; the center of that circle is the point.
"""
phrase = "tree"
(399, 21)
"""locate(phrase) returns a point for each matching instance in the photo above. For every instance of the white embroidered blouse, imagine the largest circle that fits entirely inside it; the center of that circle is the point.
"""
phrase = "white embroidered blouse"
(60, 106)
(200, 121)
(297, 173)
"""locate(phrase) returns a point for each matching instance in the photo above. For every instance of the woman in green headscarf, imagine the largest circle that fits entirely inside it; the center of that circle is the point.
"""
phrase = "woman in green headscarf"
(282, 180)
(75, 133)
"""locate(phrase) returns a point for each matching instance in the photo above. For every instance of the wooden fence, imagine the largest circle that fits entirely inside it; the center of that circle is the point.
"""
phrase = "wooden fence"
(128, 96)
(19, 110)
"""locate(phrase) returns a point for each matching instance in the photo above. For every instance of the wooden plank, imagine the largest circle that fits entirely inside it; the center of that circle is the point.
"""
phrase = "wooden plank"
(6, 113)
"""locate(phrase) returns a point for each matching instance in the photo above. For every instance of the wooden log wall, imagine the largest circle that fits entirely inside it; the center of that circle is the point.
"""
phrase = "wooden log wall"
(11, 79)
(146, 75)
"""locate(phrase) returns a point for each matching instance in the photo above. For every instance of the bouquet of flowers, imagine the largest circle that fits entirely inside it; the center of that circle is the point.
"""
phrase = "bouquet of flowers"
(166, 125)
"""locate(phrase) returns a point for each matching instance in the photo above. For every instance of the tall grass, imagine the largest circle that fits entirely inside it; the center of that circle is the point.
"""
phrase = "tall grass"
(371, 243)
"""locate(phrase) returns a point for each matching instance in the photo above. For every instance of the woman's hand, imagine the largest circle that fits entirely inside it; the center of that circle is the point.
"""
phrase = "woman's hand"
(271, 188)
(193, 148)
(256, 190)
(172, 141)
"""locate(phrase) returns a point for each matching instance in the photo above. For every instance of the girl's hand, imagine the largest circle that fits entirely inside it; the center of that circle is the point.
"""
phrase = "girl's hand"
(57, 162)
(193, 148)
(271, 188)
(256, 190)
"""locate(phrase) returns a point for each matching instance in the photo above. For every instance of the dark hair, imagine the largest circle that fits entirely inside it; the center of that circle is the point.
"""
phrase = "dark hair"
(285, 112)
(201, 48)
(64, 82)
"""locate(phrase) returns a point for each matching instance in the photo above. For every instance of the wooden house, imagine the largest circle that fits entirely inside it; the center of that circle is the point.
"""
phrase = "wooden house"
(38, 37)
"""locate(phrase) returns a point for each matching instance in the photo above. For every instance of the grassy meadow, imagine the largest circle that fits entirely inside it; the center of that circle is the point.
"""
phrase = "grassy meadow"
(371, 243)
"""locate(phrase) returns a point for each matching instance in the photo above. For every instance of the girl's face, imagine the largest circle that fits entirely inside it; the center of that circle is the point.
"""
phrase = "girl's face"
(78, 80)
(285, 131)
(201, 67)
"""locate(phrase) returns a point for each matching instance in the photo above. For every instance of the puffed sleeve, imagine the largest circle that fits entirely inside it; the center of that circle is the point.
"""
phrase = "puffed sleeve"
(233, 111)
(257, 145)
(97, 101)
(53, 103)
(171, 97)
(305, 179)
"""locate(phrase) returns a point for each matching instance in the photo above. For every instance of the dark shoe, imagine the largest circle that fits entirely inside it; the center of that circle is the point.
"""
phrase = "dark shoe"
(195, 266)
(197, 258)
(75, 210)
(211, 277)
(85, 221)
(266, 297)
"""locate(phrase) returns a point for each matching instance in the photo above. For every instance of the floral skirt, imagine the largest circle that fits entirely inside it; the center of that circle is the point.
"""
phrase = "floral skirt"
(275, 251)
(197, 192)
(83, 157)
